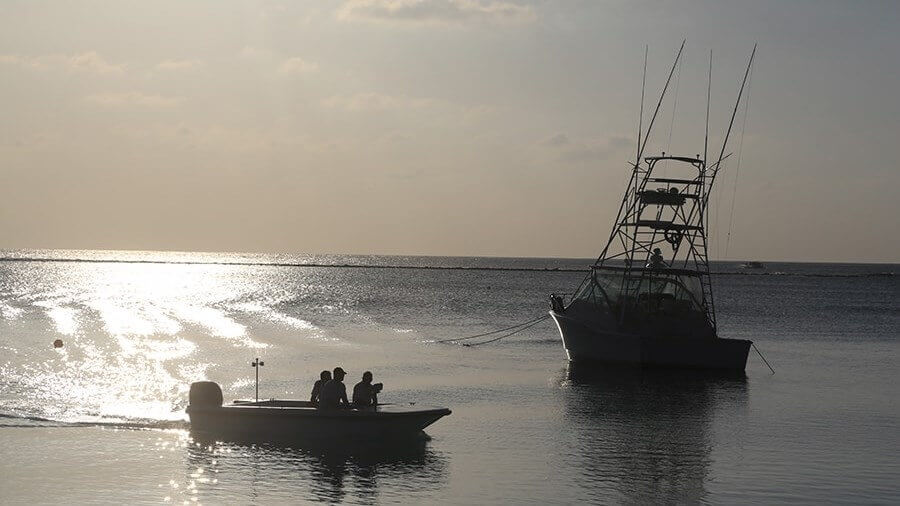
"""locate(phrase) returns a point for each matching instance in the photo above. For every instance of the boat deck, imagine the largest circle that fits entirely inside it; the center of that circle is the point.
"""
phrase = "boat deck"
(309, 409)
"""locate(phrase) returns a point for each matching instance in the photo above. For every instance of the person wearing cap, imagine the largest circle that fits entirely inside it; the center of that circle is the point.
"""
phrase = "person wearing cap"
(334, 393)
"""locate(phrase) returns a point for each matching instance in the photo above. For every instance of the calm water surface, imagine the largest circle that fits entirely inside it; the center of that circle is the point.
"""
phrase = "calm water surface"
(102, 419)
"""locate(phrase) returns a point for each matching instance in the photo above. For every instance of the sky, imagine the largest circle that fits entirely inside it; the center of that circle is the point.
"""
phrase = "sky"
(444, 127)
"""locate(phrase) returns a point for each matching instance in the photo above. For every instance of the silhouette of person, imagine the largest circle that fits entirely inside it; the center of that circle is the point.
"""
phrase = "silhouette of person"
(334, 393)
(365, 393)
(317, 388)
(656, 260)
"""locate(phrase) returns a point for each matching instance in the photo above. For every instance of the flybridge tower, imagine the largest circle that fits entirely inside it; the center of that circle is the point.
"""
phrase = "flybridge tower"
(668, 214)
(648, 300)
(660, 230)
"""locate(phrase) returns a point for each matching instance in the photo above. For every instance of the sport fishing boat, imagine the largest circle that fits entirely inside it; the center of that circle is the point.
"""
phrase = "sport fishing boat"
(277, 419)
(638, 306)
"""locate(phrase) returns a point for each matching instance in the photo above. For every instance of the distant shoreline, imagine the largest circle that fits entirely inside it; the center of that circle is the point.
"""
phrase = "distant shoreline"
(80, 254)
(420, 267)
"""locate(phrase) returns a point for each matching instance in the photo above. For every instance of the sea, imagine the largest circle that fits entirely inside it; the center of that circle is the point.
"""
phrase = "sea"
(101, 419)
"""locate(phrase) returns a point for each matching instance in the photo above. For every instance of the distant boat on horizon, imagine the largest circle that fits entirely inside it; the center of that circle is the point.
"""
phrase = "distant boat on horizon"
(753, 264)
(637, 308)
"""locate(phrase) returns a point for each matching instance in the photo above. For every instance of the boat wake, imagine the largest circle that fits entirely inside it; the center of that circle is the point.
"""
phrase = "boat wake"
(9, 420)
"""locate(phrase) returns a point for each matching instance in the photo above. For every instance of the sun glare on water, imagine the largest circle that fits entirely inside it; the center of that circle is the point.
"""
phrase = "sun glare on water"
(133, 333)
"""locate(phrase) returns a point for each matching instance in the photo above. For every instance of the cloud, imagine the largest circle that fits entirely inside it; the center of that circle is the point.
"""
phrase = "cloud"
(293, 66)
(90, 61)
(133, 98)
(251, 53)
(93, 62)
(586, 150)
(377, 102)
(175, 65)
(556, 140)
(436, 11)
(24, 61)
(270, 61)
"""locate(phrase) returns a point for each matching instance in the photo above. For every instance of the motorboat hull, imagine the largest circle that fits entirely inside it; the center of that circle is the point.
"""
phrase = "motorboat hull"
(276, 421)
(585, 344)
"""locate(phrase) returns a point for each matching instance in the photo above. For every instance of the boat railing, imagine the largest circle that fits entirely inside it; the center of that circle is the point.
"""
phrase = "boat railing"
(640, 271)
(648, 284)
(660, 196)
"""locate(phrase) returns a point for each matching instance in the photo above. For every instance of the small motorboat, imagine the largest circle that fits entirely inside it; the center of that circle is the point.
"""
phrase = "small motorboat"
(277, 419)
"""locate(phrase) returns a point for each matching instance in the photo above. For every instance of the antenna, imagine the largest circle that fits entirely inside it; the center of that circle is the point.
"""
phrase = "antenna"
(256, 364)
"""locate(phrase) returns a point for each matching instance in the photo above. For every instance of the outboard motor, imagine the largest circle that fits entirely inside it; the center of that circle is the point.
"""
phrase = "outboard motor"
(205, 394)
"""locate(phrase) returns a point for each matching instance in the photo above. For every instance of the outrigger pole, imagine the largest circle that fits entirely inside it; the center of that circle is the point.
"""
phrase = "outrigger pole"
(646, 137)
(718, 165)
(641, 117)
(722, 156)
(734, 112)
(706, 135)
(708, 94)
(661, 97)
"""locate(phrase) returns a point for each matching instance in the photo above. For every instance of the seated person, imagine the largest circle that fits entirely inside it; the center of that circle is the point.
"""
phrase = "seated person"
(317, 388)
(656, 260)
(334, 393)
(365, 394)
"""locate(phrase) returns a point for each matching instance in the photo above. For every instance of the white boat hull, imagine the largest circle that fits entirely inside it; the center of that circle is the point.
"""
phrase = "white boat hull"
(586, 344)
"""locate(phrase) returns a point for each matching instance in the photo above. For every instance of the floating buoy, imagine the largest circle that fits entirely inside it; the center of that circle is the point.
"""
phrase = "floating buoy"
(58, 343)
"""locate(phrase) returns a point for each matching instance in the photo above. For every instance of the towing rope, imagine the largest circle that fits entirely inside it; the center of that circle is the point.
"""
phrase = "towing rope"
(762, 357)
(518, 328)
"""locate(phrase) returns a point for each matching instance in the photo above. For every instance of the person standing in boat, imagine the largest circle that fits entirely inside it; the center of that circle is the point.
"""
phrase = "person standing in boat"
(317, 388)
(334, 393)
(656, 260)
(365, 394)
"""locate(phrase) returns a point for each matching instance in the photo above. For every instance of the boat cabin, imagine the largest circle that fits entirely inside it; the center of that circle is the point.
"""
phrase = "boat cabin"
(645, 300)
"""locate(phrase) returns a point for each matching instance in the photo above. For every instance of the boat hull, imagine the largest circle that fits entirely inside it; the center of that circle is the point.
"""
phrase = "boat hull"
(309, 423)
(584, 344)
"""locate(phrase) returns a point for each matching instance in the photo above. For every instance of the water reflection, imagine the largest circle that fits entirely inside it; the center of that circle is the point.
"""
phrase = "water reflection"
(648, 435)
(304, 470)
